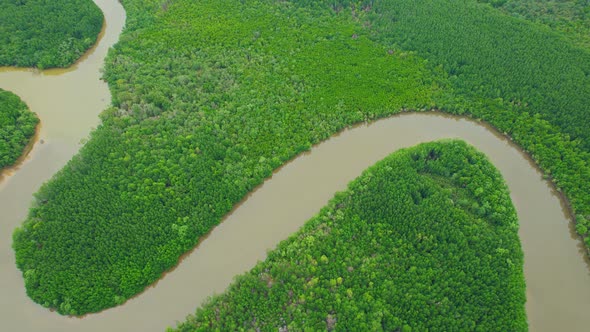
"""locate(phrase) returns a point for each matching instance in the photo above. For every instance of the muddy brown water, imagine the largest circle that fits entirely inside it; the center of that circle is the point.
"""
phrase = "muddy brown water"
(68, 103)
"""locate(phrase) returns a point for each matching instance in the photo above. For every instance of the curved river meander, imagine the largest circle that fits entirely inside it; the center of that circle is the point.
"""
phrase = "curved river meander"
(68, 102)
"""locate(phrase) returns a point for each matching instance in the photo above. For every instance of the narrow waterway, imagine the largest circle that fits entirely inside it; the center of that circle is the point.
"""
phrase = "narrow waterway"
(68, 103)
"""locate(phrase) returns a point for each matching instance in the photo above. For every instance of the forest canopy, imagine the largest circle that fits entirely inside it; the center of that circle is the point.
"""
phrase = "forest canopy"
(209, 97)
(46, 33)
(425, 240)
(17, 127)
(572, 17)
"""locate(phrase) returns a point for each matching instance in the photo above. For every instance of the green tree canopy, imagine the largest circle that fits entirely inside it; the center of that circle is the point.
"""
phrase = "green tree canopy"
(17, 127)
(402, 249)
(45, 33)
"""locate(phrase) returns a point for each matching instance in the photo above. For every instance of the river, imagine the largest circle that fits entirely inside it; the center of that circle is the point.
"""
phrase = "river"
(68, 103)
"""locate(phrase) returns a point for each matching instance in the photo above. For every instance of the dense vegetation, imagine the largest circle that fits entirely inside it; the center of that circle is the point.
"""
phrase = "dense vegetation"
(17, 127)
(425, 240)
(489, 55)
(211, 96)
(526, 80)
(45, 33)
(194, 129)
(569, 16)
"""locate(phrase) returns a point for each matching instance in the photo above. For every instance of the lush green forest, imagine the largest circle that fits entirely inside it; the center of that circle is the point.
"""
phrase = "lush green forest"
(17, 127)
(425, 240)
(528, 81)
(194, 129)
(210, 97)
(45, 33)
(489, 55)
(569, 16)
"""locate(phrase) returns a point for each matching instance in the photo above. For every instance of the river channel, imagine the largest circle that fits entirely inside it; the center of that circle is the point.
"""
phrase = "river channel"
(68, 103)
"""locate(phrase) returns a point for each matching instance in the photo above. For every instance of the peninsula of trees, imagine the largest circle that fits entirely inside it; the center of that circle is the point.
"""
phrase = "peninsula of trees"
(425, 240)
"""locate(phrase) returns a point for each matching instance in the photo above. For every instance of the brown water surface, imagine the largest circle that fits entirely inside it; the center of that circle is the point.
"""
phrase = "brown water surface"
(68, 102)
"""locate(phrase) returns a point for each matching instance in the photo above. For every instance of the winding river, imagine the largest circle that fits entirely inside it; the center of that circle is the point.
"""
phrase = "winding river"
(68, 103)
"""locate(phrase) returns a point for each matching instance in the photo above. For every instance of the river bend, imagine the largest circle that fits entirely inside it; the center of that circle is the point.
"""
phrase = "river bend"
(68, 103)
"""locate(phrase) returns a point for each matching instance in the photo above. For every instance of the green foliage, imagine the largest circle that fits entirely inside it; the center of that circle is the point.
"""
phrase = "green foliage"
(17, 127)
(209, 100)
(209, 97)
(45, 33)
(396, 251)
(489, 55)
(572, 17)
(527, 81)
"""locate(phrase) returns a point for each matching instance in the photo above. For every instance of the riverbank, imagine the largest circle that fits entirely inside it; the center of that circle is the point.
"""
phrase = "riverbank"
(10, 170)
(18, 125)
